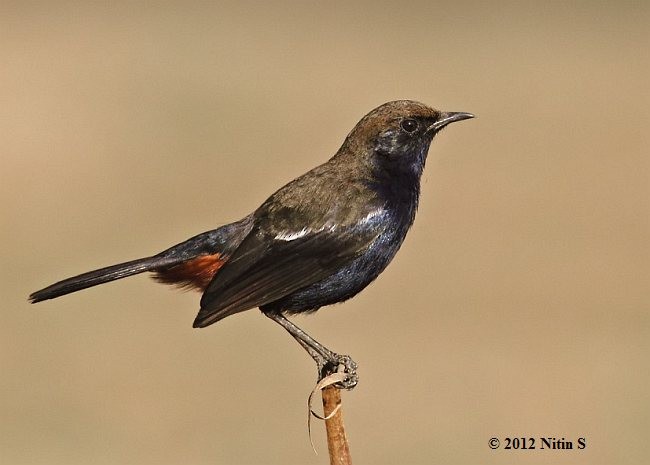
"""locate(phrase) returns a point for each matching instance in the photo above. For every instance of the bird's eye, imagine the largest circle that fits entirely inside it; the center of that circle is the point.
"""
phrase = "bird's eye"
(409, 125)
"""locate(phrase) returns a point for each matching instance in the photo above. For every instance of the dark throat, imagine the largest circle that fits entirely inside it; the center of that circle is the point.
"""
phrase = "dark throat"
(398, 186)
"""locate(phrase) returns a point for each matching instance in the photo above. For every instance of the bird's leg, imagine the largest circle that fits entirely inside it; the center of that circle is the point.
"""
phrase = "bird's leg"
(327, 362)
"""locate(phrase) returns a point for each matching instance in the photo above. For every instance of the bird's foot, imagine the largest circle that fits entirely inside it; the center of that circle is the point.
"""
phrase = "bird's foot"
(333, 369)
(342, 365)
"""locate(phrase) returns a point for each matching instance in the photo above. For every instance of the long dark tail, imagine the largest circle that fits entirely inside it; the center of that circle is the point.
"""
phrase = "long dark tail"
(101, 276)
(190, 264)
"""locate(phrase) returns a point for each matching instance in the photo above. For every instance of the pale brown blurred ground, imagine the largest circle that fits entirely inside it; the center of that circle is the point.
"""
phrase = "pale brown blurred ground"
(518, 306)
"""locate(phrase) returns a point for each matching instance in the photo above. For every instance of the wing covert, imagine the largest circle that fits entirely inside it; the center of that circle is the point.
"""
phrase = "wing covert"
(267, 267)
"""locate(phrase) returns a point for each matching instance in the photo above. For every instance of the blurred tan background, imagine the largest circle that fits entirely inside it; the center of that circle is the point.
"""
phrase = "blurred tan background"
(518, 305)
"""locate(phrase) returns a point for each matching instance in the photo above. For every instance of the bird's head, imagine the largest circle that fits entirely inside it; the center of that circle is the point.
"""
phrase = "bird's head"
(397, 135)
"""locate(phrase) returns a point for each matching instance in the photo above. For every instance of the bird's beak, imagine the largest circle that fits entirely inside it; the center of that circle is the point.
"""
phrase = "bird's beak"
(448, 117)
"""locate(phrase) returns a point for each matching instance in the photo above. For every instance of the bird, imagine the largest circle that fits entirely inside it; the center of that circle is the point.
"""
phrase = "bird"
(317, 241)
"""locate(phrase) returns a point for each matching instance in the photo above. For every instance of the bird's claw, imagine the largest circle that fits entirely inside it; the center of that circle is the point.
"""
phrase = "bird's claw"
(340, 364)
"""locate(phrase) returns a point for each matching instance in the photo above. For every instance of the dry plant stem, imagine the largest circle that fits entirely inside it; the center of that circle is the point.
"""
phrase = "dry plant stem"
(337, 442)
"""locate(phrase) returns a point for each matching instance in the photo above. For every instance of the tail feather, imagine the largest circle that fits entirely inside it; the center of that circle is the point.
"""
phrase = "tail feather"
(101, 276)
(190, 264)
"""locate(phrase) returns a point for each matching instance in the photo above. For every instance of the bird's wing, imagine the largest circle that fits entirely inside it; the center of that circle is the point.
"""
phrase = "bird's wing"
(270, 265)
